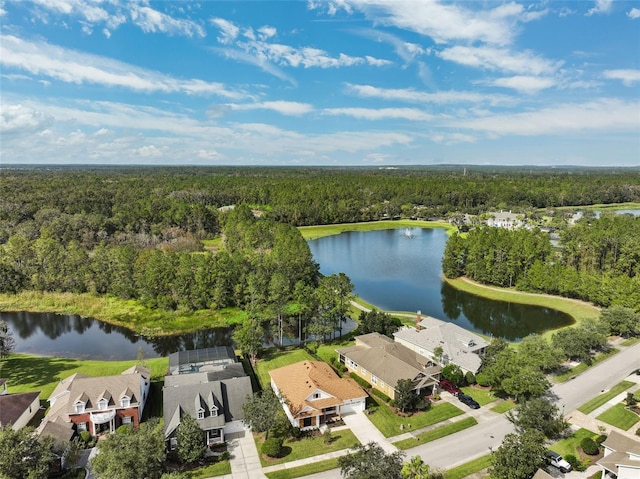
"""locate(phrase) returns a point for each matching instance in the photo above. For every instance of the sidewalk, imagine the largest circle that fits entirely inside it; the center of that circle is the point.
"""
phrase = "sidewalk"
(245, 462)
(366, 432)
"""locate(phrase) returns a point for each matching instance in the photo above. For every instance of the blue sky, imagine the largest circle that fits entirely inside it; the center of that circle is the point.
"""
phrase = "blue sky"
(344, 82)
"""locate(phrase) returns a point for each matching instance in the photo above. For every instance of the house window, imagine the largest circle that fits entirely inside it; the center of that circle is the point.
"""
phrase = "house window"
(102, 404)
(363, 370)
(79, 407)
(214, 412)
(173, 443)
(125, 402)
(374, 379)
(306, 422)
(81, 426)
(200, 414)
(316, 395)
(127, 420)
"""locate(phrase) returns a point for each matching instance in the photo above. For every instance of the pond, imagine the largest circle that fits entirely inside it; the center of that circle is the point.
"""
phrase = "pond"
(400, 270)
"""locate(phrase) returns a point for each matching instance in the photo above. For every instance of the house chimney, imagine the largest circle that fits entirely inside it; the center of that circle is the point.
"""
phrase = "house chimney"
(418, 319)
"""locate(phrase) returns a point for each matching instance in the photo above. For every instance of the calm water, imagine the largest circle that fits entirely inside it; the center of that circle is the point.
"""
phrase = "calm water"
(71, 336)
(400, 273)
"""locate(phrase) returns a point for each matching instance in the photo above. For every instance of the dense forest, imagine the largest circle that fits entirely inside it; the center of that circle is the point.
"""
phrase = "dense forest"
(598, 260)
(139, 232)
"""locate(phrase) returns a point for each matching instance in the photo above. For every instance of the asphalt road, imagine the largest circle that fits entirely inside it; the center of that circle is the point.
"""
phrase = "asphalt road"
(479, 440)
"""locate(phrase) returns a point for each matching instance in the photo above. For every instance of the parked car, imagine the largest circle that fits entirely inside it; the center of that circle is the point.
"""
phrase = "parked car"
(556, 460)
(449, 386)
(469, 401)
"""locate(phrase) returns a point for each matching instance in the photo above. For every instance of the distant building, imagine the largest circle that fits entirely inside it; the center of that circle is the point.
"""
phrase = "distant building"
(505, 219)
(621, 457)
(211, 386)
(16, 410)
(383, 362)
(312, 393)
(459, 346)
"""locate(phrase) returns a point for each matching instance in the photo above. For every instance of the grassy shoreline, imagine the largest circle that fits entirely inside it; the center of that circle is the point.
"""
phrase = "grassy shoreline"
(320, 231)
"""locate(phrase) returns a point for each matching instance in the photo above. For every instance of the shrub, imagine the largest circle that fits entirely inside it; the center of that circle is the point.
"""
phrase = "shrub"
(381, 395)
(124, 429)
(85, 437)
(296, 432)
(326, 436)
(600, 439)
(638, 432)
(272, 447)
(359, 380)
(423, 404)
(589, 446)
(575, 463)
(482, 380)
(470, 378)
(225, 456)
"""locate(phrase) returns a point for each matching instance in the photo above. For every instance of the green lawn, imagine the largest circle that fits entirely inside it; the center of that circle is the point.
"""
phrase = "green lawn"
(38, 373)
(389, 423)
(504, 406)
(328, 350)
(217, 469)
(437, 433)
(570, 445)
(468, 468)
(619, 416)
(598, 401)
(300, 471)
(309, 446)
(319, 231)
(274, 359)
(630, 341)
(482, 396)
(582, 367)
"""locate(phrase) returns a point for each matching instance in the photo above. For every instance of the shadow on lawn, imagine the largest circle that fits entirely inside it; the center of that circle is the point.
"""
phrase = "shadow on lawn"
(35, 372)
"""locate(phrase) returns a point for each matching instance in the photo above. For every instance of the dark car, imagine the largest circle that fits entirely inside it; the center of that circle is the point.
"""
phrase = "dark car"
(469, 401)
(449, 386)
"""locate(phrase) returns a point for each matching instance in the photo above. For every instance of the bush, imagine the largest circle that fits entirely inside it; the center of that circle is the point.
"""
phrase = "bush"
(482, 380)
(575, 463)
(124, 429)
(296, 432)
(470, 378)
(381, 395)
(272, 447)
(225, 456)
(359, 380)
(589, 446)
(85, 437)
(600, 439)
(423, 404)
(638, 432)
(326, 436)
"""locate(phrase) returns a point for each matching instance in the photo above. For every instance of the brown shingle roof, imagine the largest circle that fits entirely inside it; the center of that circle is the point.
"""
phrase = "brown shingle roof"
(12, 406)
(297, 381)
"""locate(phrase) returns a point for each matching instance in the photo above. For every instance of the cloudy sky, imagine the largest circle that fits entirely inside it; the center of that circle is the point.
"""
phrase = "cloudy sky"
(343, 82)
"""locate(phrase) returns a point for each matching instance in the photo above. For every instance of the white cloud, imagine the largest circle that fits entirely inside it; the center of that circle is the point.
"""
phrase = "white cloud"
(267, 32)
(413, 114)
(71, 66)
(149, 151)
(258, 61)
(20, 119)
(634, 13)
(524, 84)
(228, 31)
(628, 77)
(446, 22)
(599, 116)
(601, 6)
(410, 95)
(501, 59)
(377, 62)
(151, 21)
(284, 107)
(407, 51)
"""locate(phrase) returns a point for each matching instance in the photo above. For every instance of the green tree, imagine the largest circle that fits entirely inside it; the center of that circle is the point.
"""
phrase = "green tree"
(539, 414)
(262, 411)
(191, 443)
(24, 456)
(371, 462)
(7, 343)
(132, 454)
(453, 373)
(248, 337)
(621, 321)
(405, 396)
(519, 456)
(540, 353)
(377, 322)
(416, 468)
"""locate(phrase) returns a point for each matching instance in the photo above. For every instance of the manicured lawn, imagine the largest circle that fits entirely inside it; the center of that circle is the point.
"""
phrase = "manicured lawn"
(437, 433)
(630, 341)
(582, 367)
(217, 469)
(38, 373)
(598, 401)
(482, 396)
(620, 417)
(300, 471)
(328, 350)
(389, 423)
(309, 446)
(504, 406)
(570, 445)
(319, 231)
(274, 359)
(468, 468)
(130, 314)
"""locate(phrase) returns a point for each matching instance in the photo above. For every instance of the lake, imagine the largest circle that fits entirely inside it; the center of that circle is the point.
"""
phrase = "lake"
(400, 270)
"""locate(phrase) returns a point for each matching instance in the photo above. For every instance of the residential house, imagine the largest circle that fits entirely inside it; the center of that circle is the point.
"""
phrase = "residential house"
(98, 404)
(17, 409)
(505, 219)
(382, 362)
(621, 457)
(211, 386)
(457, 345)
(312, 393)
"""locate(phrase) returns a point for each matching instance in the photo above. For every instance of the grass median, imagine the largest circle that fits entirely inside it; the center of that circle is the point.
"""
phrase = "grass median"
(436, 433)
(598, 401)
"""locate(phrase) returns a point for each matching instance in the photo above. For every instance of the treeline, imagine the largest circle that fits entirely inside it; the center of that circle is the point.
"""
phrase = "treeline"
(598, 261)
(258, 252)
(157, 206)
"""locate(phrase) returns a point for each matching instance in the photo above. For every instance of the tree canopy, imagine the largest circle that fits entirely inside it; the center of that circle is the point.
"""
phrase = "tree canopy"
(24, 456)
(370, 461)
(519, 456)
